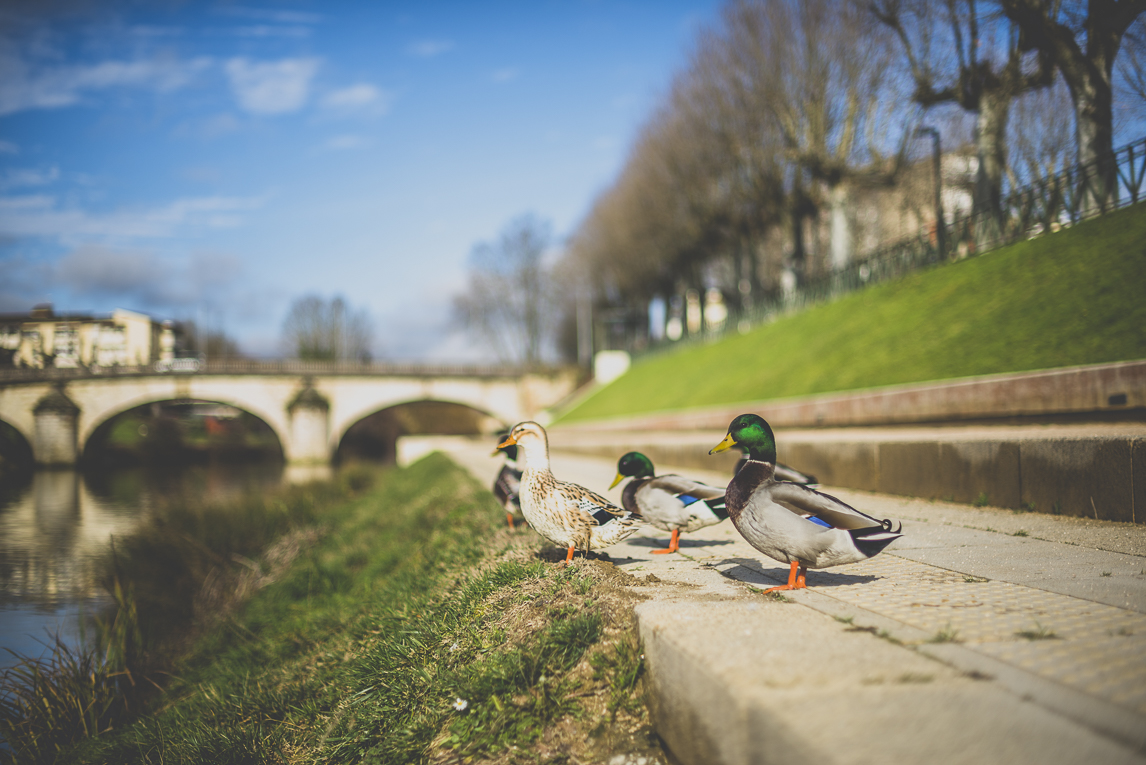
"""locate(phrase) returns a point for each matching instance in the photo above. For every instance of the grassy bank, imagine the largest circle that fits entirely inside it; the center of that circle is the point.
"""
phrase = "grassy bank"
(415, 629)
(1074, 297)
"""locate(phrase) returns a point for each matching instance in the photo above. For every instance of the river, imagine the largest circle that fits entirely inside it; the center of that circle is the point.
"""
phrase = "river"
(56, 525)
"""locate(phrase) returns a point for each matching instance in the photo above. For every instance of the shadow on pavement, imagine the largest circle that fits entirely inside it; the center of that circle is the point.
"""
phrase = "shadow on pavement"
(749, 571)
(663, 542)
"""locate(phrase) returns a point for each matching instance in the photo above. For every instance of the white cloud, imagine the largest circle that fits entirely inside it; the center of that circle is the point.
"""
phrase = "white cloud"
(357, 96)
(7, 147)
(505, 75)
(430, 48)
(16, 178)
(220, 124)
(267, 30)
(25, 85)
(342, 142)
(274, 15)
(272, 87)
(143, 277)
(41, 215)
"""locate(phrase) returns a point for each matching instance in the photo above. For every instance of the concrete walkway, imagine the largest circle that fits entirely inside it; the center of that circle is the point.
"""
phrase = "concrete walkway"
(983, 636)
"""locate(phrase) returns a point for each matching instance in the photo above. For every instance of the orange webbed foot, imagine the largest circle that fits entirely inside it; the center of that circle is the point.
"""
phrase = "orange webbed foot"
(796, 579)
(674, 544)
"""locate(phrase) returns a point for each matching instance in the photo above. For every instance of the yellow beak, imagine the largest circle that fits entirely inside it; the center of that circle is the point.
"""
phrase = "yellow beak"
(495, 452)
(509, 441)
(727, 443)
(617, 480)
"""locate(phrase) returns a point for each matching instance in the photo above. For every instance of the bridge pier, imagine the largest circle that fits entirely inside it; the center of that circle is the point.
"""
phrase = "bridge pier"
(309, 428)
(55, 442)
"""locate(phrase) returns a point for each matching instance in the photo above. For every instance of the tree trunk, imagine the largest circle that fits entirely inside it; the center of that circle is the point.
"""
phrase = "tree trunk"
(1093, 115)
(797, 261)
(991, 145)
(839, 198)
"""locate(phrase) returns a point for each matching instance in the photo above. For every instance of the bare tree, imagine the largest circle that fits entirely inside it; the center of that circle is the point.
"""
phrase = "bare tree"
(213, 343)
(963, 53)
(1041, 141)
(825, 72)
(1131, 64)
(508, 300)
(1083, 44)
(316, 329)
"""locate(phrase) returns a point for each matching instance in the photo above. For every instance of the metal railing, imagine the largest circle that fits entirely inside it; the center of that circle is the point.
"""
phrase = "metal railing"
(1046, 205)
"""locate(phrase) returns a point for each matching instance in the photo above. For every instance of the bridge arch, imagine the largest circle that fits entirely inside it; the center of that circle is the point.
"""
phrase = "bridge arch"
(15, 444)
(95, 424)
(418, 416)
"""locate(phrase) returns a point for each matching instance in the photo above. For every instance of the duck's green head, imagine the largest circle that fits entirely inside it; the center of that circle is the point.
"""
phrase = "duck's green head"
(751, 433)
(633, 464)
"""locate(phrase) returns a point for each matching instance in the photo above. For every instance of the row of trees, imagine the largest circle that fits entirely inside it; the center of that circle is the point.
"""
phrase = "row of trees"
(759, 168)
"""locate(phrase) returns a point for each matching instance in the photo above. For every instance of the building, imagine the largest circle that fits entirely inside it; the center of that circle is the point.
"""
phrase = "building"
(43, 338)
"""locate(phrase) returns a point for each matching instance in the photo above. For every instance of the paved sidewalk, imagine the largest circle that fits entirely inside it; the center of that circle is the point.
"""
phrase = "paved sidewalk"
(983, 635)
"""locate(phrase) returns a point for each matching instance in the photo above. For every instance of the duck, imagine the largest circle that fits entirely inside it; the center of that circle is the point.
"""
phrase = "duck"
(567, 514)
(507, 485)
(670, 502)
(791, 523)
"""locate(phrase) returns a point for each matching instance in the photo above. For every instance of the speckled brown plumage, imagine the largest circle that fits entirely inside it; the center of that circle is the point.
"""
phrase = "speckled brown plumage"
(566, 514)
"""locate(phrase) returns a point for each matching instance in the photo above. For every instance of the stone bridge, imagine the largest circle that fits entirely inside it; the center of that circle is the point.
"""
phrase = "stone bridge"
(308, 405)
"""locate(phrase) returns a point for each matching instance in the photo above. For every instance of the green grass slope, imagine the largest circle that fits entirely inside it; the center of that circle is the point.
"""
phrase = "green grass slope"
(1075, 297)
(417, 629)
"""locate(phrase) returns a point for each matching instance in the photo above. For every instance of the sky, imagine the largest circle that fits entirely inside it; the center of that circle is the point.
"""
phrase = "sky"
(214, 160)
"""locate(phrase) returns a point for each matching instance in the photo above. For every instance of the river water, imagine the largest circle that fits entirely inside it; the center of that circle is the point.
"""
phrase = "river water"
(56, 526)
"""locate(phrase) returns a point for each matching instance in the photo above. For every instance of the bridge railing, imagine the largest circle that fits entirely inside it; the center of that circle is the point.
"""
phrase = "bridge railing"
(195, 366)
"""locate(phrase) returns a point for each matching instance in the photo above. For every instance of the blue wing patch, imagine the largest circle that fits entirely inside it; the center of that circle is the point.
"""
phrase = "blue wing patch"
(818, 522)
(687, 499)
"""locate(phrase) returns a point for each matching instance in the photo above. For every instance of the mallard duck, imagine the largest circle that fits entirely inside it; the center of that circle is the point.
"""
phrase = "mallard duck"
(669, 502)
(507, 485)
(791, 523)
(564, 513)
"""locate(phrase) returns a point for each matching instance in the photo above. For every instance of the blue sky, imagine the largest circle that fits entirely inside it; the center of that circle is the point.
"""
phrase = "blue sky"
(214, 161)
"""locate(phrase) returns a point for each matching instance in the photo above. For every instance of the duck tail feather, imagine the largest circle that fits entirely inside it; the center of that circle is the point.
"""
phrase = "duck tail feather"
(872, 540)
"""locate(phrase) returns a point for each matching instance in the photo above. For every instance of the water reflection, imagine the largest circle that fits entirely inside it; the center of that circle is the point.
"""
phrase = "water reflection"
(55, 529)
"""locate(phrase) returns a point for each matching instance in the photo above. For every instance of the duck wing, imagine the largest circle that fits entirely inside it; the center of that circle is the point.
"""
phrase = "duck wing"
(671, 502)
(680, 486)
(594, 505)
(804, 502)
(508, 482)
(785, 473)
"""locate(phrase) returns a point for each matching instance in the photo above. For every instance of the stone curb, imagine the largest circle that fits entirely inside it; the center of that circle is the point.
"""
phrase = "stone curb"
(723, 690)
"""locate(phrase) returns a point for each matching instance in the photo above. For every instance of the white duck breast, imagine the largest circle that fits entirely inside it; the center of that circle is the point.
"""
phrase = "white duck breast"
(671, 502)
